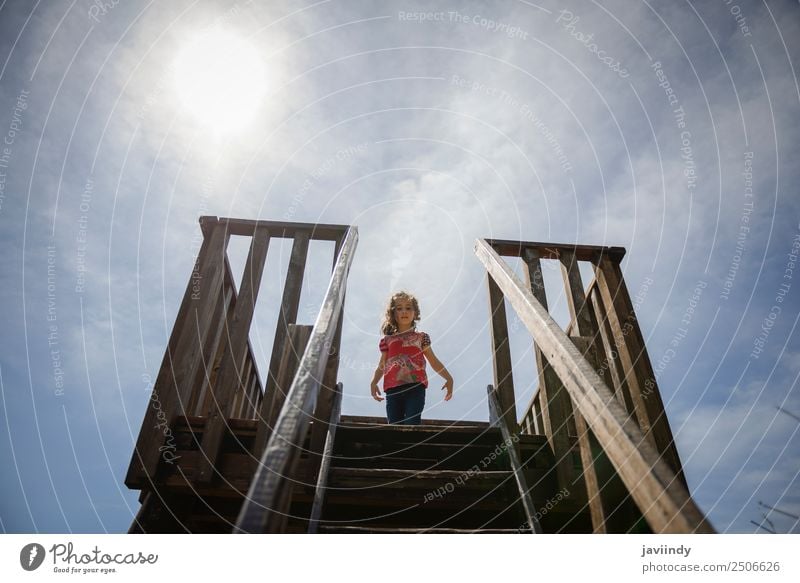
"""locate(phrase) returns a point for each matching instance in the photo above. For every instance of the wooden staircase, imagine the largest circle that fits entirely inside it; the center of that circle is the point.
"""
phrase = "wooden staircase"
(220, 451)
(438, 477)
(427, 478)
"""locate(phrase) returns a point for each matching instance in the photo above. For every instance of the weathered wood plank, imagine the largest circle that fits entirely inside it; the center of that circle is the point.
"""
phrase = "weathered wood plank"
(593, 494)
(584, 334)
(324, 407)
(327, 455)
(501, 356)
(213, 349)
(636, 364)
(512, 447)
(253, 396)
(385, 530)
(537, 415)
(444, 423)
(173, 385)
(318, 231)
(552, 250)
(269, 495)
(230, 381)
(287, 314)
(576, 298)
(556, 407)
(256, 392)
(297, 339)
(662, 498)
(241, 395)
(611, 359)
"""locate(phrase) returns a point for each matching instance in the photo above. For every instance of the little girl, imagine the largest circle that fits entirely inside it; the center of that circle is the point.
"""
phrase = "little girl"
(403, 353)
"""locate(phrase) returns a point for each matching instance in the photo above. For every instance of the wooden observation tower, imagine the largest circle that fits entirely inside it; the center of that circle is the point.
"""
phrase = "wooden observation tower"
(221, 450)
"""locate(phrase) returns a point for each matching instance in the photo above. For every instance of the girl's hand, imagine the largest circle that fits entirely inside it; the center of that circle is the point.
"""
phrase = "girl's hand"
(449, 386)
(376, 392)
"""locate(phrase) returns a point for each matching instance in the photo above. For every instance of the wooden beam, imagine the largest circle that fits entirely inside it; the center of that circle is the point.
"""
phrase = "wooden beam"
(611, 360)
(553, 250)
(660, 495)
(636, 364)
(254, 396)
(324, 406)
(268, 499)
(293, 349)
(322, 412)
(213, 349)
(501, 356)
(230, 379)
(317, 231)
(327, 456)
(556, 407)
(537, 412)
(579, 308)
(287, 314)
(173, 386)
(512, 447)
(585, 335)
(241, 395)
(585, 439)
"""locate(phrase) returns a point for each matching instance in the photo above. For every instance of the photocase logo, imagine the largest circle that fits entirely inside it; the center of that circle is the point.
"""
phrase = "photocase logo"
(31, 556)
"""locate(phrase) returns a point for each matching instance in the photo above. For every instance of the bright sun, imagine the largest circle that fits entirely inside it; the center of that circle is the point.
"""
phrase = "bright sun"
(220, 79)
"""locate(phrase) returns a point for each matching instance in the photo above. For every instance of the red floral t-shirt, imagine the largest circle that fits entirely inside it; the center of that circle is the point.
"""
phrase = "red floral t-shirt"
(405, 362)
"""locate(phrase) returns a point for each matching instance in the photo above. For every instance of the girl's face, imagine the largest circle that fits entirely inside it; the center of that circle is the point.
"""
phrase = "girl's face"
(404, 312)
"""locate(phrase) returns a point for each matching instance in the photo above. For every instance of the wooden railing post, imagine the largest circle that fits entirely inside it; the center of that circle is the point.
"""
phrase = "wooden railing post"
(638, 372)
(327, 455)
(287, 314)
(231, 379)
(612, 360)
(497, 419)
(294, 346)
(585, 336)
(322, 412)
(174, 383)
(290, 303)
(501, 356)
(556, 407)
(205, 376)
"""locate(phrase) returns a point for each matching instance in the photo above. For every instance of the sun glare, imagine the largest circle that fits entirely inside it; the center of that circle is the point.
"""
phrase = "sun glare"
(220, 79)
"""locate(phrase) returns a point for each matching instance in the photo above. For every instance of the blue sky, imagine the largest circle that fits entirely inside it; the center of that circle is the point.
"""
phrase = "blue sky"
(668, 128)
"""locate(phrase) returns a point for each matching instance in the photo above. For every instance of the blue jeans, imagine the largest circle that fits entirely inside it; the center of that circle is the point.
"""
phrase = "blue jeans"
(404, 404)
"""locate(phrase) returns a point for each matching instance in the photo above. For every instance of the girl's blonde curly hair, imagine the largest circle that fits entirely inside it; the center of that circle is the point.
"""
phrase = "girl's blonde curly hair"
(389, 325)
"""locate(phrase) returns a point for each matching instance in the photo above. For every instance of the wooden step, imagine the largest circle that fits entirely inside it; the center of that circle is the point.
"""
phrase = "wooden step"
(390, 498)
(449, 489)
(458, 433)
(409, 451)
(365, 478)
(365, 420)
(375, 530)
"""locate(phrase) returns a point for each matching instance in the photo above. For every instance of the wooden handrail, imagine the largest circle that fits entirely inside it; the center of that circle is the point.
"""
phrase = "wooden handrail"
(497, 418)
(327, 455)
(552, 250)
(268, 499)
(653, 485)
(321, 232)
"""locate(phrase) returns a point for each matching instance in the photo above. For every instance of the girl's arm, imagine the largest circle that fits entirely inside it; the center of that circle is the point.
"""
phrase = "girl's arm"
(441, 370)
(374, 389)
